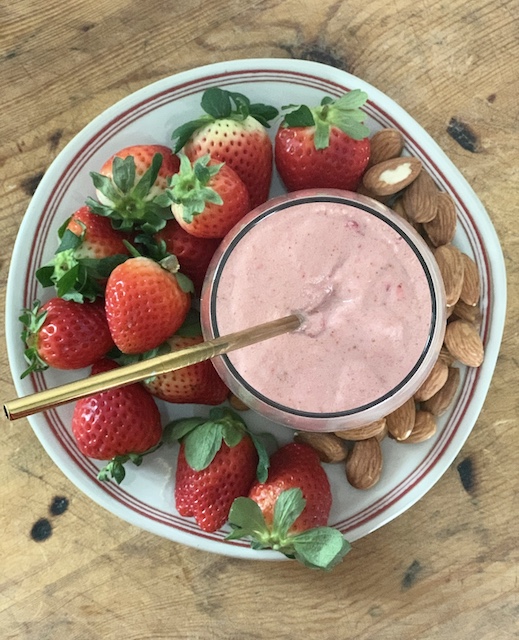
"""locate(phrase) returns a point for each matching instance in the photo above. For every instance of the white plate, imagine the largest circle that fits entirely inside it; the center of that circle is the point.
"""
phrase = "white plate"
(149, 116)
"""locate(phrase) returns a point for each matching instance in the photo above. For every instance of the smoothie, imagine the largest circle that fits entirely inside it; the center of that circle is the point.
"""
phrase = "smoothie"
(361, 286)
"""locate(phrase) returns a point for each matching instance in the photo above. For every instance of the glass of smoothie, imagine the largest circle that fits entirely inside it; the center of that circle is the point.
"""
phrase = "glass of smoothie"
(367, 288)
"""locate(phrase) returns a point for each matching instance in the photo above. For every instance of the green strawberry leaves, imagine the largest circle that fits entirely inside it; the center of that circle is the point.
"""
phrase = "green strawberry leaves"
(32, 320)
(74, 278)
(189, 187)
(318, 548)
(220, 104)
(345, 113)
(203, 437)
(115, 470)
(128, 200)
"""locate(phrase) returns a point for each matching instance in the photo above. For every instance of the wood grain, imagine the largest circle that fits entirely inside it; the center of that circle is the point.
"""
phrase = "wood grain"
(448, 567)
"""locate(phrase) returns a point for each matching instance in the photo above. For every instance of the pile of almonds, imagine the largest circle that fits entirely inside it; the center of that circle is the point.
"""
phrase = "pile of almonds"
(402, 183)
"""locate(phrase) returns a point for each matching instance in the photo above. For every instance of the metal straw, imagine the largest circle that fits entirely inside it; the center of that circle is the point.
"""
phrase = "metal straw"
(49, 398)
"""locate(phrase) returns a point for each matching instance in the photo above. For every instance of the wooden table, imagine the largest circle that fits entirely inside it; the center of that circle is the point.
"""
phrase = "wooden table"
(447, 568)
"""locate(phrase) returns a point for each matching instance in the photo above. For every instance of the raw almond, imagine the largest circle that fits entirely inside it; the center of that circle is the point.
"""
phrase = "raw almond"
(450, 262)
(391, 176)
(423, 429)
(470, 289)
(385, 144)
(366, 192)
(446, 356)
(401, 421)
(463, 311)
(420, 198)
(440, 401)
(462, 339)
(329, 447)
(399, 209)
(364, 464)
(372, 430)
(442, 228)
(434, 381)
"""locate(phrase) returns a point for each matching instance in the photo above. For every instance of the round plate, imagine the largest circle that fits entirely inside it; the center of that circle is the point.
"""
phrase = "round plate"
(145, 498)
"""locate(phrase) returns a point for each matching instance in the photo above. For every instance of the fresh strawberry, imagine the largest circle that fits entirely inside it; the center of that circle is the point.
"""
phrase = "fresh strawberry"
(207, 198)
(194, 254)
(326, 146)
(146, 302)
(88, 251)
(129, 185)
(197, 384)
(217, 462)
(233, 131)
(289, 511)
(120, 424)
(64, 334)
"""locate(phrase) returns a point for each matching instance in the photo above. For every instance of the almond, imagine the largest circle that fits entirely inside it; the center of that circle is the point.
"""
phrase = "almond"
(399, 209)
(470, 289)
(450, 262)
(442, 228)
(329, 447)
(385, 144)
(423, 429)
(364, 464)
(372, 430)
(401, 421)
(441, 400)
(462, 339)
(391, 176)
(434, 381)
(463, 311)
(446, 356)
(366, 192)
(420, 198)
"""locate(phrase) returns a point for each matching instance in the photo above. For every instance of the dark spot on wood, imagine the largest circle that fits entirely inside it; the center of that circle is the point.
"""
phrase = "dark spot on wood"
(87, 27)
(316, 53)
(30, 184)
(54, 138)
(464, 135)
(41, 530)
(10, 54)
(58, 505)
(466, 472)
(411, 574)
(492, 98)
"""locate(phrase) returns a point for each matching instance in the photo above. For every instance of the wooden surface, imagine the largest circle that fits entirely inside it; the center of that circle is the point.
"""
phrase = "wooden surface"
(448, 567)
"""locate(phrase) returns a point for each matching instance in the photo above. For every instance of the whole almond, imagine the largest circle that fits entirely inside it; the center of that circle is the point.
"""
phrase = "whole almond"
(450, 262)
(442, 228)
(237, 403)
(366, 192)
(399, 209)
(391, 176)
(384, 145)
(434, 381)
(372, 430)
(364, 464)
(423, 429)
(441, 400)
(420, 198)
(463, 311)
(328, 447)
(446, 356)
(401, 421)
(462, 339)
(471, 284)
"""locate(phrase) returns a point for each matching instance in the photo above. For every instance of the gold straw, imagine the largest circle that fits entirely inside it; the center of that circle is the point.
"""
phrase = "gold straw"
(22, 407)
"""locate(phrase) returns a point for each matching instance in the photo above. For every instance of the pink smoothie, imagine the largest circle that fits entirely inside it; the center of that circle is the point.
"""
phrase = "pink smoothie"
(361, 288)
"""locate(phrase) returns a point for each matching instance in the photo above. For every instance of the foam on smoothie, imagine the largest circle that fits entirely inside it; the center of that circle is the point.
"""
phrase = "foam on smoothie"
(363, 293)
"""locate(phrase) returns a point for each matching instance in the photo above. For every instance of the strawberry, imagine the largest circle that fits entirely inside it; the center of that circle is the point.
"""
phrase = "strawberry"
(289, 511)
(64, 334)
(207, 198)
(194, 254)
(197, 384)
(146, 302)
(233, 131)
(217, 462)
(88, 251)
(120, 424)
(326, 146)
(129, 184)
